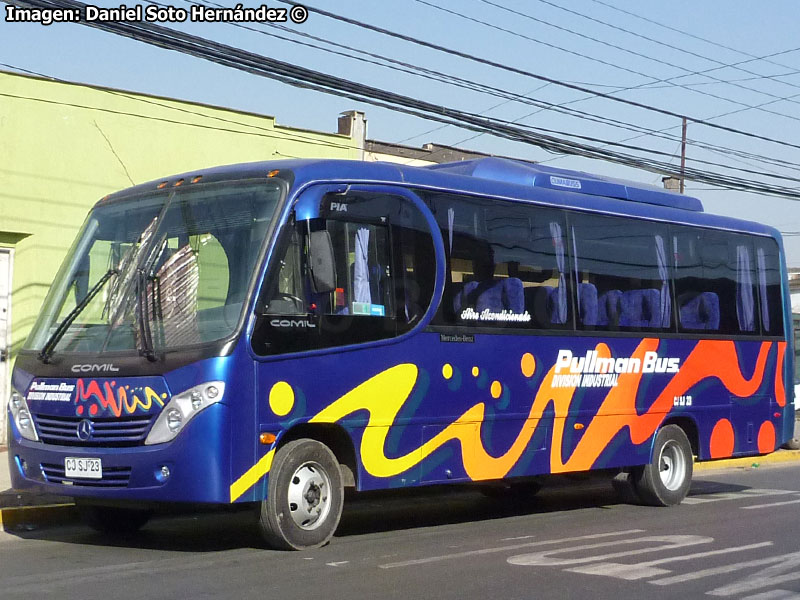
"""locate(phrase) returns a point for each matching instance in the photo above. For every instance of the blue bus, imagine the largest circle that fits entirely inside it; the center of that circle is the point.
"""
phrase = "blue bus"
(272, 333)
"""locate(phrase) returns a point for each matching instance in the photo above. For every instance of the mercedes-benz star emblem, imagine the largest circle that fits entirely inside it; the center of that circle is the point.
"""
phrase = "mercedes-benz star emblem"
(85, 430)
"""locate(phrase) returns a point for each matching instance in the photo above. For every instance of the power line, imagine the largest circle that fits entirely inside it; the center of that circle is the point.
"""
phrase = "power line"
(651, 132)
(532, 75)
(655, 86)
(483, 112)
(659, 42)
(432, 74)
(287, 137)
(439, 76)
(314, 80)
(469, 84)
(544, 105)
(609, 44)
(691, 35)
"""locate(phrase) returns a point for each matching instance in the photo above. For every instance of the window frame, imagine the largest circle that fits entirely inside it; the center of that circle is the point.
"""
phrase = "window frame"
(317, 211)
(666, 225)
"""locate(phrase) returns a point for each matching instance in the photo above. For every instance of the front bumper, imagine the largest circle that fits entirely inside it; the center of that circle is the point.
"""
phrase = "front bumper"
(198, 462)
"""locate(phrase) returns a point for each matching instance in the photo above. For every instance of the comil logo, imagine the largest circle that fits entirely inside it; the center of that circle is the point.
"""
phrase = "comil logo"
(302, 323)
(95, 368)
(593, 370)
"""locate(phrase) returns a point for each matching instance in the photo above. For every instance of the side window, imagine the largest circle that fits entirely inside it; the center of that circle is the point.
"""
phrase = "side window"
(622, 272)
(380, 253)
(288, 282)
(714, 282)
(363, 270)
(507, 265)
(769, 287)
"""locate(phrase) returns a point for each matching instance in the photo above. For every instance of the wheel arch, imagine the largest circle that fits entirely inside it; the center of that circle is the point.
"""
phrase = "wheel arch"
(689, 427)
(336, 438)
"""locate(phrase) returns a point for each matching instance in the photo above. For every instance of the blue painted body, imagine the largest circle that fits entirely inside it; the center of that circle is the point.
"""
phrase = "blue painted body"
(221, 444)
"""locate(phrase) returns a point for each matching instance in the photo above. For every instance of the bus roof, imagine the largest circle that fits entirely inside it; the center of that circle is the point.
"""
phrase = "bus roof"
(534, 175)
(504, 178)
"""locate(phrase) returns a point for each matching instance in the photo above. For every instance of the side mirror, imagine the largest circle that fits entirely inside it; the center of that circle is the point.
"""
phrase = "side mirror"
(321, 263)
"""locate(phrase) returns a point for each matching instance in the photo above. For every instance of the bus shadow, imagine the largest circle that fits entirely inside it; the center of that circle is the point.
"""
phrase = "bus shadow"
(372, 512)
(366, 513)
(708, 488)
(174, 530)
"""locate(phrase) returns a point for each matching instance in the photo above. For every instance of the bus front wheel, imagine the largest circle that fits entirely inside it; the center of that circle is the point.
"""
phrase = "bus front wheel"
(304, 497)
(666, 480)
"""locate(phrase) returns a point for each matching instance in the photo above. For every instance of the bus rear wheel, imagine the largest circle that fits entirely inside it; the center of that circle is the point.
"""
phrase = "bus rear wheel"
(304, 497)
(666, 480)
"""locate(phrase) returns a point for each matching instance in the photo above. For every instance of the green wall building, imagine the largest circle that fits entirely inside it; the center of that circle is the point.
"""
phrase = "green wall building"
(64, 146)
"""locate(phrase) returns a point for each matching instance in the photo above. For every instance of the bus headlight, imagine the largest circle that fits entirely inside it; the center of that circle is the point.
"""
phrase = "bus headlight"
(182, 409)
(22, 416)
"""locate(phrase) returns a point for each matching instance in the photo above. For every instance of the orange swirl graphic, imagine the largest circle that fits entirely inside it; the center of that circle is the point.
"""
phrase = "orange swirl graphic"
(383, 396)
(780, 392)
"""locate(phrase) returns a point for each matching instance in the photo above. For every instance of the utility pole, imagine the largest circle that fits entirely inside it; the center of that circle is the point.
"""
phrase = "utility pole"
(683, 152)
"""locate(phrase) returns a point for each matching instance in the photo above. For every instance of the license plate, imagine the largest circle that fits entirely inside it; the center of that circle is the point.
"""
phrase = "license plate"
(83, 468)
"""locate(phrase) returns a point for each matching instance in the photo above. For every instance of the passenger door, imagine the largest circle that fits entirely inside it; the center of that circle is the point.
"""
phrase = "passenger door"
(320, 342)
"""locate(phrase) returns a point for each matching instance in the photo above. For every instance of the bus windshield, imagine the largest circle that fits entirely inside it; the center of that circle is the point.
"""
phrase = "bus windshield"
(158, 271)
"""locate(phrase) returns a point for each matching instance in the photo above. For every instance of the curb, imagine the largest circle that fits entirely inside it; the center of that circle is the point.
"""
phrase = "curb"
(22, 518)
(746, 462)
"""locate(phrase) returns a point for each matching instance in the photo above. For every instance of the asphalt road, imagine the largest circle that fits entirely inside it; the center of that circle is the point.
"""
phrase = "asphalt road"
(736, 536)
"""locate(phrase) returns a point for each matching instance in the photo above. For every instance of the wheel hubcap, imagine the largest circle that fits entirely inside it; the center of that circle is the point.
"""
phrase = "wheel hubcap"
(672, 466)
(309, 493)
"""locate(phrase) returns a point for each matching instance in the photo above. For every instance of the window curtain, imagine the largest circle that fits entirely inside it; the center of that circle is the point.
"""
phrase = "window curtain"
(663, 272)
(560, 312)
(577, 272)
(762, 288)
(745, 304)
(361, 291)
(451, 217)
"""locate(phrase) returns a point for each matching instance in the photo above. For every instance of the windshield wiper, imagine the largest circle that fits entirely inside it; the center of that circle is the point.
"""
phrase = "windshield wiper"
(145, 332)
(52, 341)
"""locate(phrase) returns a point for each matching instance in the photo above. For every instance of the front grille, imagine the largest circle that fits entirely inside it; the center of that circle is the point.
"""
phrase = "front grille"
(113, 477)
(127, 431)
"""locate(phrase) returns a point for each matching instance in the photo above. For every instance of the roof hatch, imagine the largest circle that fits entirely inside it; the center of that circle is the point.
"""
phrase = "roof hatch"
(530, 174)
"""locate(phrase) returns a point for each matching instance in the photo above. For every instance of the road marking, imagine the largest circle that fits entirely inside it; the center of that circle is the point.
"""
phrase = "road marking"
(482, 551)
(643, 570)
(772, 504)
(717, 571)
(514, 539)
(769, 577)
(55, 581)
(620, 571)
(774, 595)
(666, 542)
(755, 492)
(337, 564)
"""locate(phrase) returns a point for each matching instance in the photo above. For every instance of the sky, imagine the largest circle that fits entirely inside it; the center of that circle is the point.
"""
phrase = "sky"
(698, 58)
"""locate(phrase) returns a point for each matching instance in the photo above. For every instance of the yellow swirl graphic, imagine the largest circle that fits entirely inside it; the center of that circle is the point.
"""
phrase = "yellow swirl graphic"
(383, 395)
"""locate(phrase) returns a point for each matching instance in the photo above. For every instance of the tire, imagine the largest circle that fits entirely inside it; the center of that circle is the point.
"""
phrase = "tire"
(794, 443)
(304, 497)
(666, 480)
(624, 488)
(113, 520)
